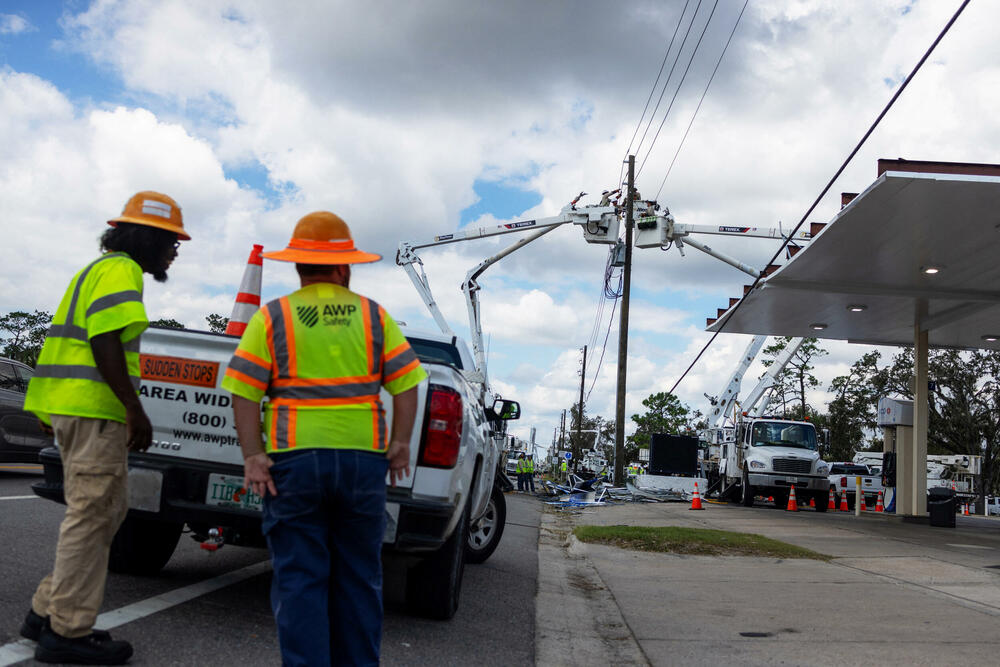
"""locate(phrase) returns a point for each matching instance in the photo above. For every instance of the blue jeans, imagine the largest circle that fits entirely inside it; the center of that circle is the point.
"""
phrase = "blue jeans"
(324, 530)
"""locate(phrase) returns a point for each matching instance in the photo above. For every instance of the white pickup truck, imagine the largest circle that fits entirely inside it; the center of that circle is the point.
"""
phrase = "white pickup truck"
(843, 476)
(448, 510)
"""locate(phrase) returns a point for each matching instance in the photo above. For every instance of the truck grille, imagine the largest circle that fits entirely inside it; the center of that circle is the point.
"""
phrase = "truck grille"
(792, 465)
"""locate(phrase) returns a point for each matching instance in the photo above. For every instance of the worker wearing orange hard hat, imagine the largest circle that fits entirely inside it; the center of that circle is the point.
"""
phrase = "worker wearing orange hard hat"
(85, 390)
(321, 355)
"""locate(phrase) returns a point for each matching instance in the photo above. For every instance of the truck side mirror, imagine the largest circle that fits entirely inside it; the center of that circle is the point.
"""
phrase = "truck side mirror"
(507, 409)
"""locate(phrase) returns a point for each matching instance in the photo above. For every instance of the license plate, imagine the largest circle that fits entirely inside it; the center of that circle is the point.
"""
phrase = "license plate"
(228, 491)
(792, 480)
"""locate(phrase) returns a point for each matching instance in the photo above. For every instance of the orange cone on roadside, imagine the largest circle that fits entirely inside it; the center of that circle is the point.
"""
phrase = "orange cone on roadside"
(879, 507)
(792, 505)
(696, 500)
(832, 505)
(843, 501)
(862, 500)
(812, 502)
(248, 298)
(965, 509)
(770, 499)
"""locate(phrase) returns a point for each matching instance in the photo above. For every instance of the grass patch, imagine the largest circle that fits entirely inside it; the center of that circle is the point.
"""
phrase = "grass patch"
(695, 541)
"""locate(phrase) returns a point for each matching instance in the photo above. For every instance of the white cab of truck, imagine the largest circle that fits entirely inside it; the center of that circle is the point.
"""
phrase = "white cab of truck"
(770, 457)
(445, 512)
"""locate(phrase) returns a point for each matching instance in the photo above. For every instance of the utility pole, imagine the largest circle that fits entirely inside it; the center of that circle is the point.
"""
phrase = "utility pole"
(623, 328)
(579, 420)
(562, 431)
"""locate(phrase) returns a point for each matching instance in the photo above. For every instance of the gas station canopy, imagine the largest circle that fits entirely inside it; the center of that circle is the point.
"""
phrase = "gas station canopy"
(916, 248)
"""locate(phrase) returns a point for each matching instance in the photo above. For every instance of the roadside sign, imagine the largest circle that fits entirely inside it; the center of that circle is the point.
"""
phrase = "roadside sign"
(568, 455)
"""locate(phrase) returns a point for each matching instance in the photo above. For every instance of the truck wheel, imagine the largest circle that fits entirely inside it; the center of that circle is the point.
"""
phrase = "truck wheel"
(143, 546)
(433, 585)
(821, 502)
(485, 534)
(747, 491)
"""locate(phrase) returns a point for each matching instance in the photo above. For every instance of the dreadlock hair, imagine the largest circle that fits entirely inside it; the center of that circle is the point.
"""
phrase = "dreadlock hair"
(142, 243)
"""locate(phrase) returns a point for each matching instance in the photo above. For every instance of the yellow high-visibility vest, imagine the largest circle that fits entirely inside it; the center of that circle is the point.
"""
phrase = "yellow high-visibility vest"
(105, 295)
(564, 466)
(529, 465)
(321, 354)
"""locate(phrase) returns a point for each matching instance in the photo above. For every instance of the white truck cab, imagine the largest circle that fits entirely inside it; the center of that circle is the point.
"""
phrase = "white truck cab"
(769, 457)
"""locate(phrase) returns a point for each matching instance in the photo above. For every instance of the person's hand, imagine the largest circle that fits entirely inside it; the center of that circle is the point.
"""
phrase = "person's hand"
(257, 474)
(140, 431)
(398, 455)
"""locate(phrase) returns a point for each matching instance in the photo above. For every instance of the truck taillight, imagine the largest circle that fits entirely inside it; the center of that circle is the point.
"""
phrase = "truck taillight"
(444, 428)
(843, 482)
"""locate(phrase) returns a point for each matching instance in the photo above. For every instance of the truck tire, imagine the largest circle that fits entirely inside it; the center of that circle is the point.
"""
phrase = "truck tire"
(746, 491)
(143, 546)
(485, 534)
(433, 586)
(821, 502)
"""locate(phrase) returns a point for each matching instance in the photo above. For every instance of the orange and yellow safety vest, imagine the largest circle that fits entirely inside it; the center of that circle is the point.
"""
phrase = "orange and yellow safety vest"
(321, 355)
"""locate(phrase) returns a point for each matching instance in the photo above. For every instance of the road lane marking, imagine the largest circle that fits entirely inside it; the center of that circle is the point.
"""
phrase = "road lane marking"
(17, 497)
(24, 649)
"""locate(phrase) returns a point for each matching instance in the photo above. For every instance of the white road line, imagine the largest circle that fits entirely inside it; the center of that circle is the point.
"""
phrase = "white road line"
(24, 649)
(17, 497)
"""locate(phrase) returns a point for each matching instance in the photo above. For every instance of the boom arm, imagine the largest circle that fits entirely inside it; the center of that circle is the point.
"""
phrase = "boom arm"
(770, 377)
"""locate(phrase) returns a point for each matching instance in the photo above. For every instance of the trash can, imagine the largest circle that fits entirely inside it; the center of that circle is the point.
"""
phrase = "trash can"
(941, 506)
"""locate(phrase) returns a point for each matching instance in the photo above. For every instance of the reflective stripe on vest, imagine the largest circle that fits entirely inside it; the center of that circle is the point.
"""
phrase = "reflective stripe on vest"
(288, 392)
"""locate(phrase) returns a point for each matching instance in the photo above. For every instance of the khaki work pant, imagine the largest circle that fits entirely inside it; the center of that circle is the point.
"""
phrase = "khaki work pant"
(95, 472)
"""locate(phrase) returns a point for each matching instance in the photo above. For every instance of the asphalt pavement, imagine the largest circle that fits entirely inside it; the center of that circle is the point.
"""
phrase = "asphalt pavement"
(213, 608)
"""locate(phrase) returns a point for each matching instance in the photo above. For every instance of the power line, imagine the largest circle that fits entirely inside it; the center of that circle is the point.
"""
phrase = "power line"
(678, 90)
(829, 184)
(652, 90)
(666, 82)
(704, 92)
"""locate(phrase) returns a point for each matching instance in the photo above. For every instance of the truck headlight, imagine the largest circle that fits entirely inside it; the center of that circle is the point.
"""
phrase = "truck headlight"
(822, 469)
(757, 465)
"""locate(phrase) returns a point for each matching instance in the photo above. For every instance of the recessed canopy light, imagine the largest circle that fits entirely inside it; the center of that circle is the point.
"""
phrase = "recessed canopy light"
(991, 338)
(930, 269)
(817, 326)
(857, 307)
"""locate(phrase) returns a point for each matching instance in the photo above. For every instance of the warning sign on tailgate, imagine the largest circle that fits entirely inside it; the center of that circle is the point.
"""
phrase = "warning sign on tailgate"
(178, 370)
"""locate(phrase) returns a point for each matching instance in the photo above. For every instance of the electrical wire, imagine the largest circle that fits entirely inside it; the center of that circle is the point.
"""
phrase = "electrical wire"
(652, 90)
(836, 175)
(597, 371)
(704, 92)
(666, 114)
(666, 82)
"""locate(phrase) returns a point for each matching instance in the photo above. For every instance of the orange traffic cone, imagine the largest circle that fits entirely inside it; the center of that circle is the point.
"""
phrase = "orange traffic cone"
(812, 503)
(879, 507)
(792, 505)
(770, 499)
(965, 509)
(696, 500)
(843, 502)
(832, 505)
(248, 298)
(862, 501)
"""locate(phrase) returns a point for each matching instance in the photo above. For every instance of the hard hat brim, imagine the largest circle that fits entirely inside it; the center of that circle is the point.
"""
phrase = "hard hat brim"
(181, 234)
(326, 257)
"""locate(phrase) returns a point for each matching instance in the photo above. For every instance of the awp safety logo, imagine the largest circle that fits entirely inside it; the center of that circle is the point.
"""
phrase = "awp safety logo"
(308, 315)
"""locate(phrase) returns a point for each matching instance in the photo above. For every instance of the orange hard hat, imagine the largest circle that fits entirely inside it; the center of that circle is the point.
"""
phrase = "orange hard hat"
(153, 209)
(322, 238)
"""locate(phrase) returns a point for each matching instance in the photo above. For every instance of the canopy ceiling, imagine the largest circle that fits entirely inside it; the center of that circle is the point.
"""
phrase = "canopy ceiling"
(872, 255)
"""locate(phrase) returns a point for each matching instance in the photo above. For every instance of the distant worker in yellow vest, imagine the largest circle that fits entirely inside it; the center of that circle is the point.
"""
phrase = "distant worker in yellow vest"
(529, 473)
(321, 354)
(85, 389)
(519, 471)
(564, 470)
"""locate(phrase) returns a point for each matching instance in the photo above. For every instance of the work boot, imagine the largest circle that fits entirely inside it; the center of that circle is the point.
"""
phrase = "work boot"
(54, 648)
(33, 624)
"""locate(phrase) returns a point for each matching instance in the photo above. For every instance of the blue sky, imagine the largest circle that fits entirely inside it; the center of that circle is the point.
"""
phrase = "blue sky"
(456, 115)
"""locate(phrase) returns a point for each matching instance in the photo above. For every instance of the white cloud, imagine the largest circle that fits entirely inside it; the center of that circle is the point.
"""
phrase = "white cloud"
(13, 24)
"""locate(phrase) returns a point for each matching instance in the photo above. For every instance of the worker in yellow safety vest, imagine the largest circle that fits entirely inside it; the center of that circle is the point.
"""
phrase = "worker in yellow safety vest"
(84, 389)
(529, 473)
(564, 470)
(519, 471)
(321, 355)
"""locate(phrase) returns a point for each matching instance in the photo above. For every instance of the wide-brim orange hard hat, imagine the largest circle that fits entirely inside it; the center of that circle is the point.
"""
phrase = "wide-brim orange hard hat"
(322, 238)
(153, 209)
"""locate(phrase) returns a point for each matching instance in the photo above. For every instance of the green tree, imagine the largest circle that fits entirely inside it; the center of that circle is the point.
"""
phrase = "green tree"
(793, 380)
(853, 410)
(167, 323)
(22, 334)
(217, 323)
(664, 414)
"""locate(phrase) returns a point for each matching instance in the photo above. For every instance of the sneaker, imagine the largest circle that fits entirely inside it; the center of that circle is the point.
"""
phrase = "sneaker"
(54, 648)
(33, 624)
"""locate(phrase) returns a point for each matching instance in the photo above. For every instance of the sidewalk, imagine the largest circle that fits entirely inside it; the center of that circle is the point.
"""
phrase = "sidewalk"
(894, 593)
